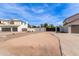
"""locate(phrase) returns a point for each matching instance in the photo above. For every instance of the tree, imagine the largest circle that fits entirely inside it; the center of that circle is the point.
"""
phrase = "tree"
(52, 26)
(41, 25)
(34, 26)
(45, 25)
(29, 25)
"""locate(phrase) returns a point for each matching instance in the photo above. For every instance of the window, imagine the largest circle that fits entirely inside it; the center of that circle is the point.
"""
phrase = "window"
(11, 22)
(24, 29)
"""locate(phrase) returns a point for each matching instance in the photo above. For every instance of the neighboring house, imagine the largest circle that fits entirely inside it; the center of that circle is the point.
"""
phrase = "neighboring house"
(13, 25)
(71, 24)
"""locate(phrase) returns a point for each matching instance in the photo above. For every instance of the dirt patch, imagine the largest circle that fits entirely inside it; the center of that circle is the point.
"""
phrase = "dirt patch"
(39, 44)
(30, 51)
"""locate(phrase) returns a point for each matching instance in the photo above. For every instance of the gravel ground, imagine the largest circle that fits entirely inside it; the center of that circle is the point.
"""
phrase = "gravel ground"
(38, 44)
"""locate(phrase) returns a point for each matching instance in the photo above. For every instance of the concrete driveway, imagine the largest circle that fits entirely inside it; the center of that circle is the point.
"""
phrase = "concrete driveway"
(69, 43)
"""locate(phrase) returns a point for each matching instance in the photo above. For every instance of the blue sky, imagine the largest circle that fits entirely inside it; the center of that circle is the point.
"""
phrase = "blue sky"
(38, 13)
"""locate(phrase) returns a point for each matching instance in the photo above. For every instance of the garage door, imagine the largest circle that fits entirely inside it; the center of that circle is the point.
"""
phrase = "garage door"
(75, 29)
(6, 29)
(14, 29)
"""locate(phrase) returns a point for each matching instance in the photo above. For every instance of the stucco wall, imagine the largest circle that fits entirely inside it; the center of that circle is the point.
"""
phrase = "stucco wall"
(17, 23)
(0, 28)
(65, 29)
(4, 22)
(37, 29)
(22, 26)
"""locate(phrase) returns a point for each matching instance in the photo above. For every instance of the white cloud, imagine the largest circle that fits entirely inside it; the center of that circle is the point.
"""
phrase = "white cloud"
(48, 18)
(71, 10)
(23, 12)
(13, 8)
(35, 10)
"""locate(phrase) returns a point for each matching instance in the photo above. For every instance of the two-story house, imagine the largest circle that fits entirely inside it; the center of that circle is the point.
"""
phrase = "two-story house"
(12, 25)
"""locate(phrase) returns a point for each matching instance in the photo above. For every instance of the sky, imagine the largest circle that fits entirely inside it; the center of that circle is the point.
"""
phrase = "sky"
(39, 13)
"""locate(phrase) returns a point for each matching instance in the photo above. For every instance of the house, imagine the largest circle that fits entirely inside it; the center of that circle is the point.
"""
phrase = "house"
(13, 25)
(71, 24)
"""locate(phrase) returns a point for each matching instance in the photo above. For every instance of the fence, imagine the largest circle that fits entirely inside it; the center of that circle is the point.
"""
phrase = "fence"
(37, 29)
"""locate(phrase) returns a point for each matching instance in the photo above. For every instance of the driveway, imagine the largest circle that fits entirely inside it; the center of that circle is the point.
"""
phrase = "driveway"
(69, 43)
